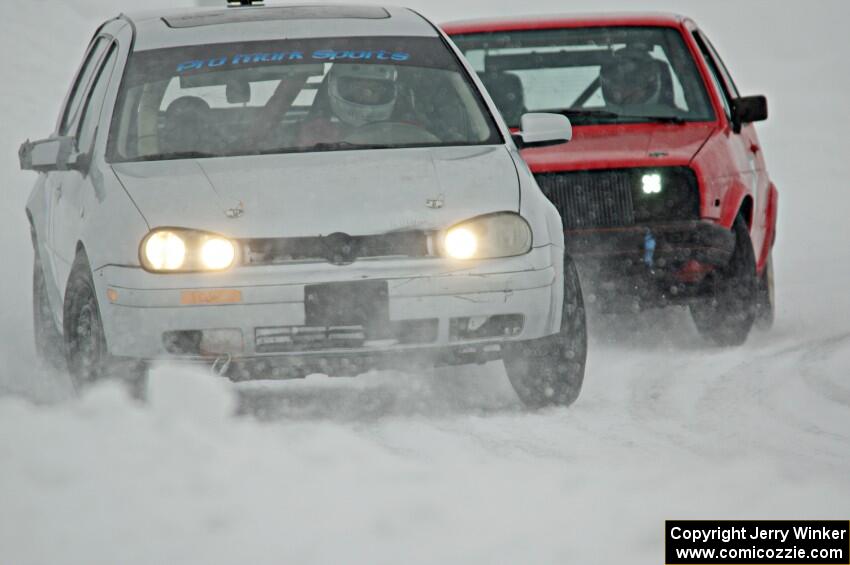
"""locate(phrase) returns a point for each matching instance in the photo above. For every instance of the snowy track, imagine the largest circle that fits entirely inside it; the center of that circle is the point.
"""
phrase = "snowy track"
(445, 465)
(439, 466)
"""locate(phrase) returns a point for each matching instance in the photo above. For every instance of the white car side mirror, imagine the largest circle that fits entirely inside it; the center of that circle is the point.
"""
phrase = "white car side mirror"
(541, 130)
(53, 154)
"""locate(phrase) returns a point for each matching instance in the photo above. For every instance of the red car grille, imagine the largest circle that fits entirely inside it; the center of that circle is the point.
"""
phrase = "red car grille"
(591, 199)
(614, 198)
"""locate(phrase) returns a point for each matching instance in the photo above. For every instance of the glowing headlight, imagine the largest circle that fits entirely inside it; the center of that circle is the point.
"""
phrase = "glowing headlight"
(651, 183)
(461, 243)
(182, 250)
(217, 253)
(503, 234)
(164, 251)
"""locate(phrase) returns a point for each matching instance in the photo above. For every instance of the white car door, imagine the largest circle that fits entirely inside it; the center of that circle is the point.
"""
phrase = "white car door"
(68, 123)
(69, 210)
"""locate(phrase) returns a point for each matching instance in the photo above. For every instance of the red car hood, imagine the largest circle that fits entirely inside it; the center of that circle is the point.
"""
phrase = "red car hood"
(606, 147)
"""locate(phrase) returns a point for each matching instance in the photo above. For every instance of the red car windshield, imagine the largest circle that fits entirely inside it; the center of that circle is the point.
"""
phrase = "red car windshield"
(594, 75)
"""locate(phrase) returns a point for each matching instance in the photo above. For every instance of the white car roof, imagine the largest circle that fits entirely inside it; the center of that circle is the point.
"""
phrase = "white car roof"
(175, 28)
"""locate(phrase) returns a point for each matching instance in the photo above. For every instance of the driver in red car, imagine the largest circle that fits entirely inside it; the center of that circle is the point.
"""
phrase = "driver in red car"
(635, 83)
(356, 95)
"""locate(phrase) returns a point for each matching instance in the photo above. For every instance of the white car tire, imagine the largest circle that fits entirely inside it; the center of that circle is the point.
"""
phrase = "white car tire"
(48, 341)
(550, 371)
(86, 350)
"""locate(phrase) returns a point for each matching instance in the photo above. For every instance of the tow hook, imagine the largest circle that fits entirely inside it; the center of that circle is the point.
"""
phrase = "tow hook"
(648, 248)
(221, 365)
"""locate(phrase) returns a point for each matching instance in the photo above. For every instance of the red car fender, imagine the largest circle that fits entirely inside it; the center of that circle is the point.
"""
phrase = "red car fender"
(731, 204)
(771, 215)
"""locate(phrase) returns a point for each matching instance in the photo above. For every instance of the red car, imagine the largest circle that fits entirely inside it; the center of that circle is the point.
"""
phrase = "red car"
(663, 190)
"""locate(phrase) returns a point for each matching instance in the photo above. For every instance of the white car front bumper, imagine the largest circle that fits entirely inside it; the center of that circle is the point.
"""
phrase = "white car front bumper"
(264, 319)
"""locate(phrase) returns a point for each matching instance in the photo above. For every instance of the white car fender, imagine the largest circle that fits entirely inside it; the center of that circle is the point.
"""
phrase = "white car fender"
(547, 229)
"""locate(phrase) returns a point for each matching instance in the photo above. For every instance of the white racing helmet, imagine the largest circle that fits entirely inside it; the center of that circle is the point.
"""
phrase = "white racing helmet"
(361, 94)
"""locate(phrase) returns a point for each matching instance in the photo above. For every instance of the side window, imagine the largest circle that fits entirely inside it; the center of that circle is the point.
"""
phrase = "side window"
(94, 102)
(724, 72)
(716, 78)
(72, 109)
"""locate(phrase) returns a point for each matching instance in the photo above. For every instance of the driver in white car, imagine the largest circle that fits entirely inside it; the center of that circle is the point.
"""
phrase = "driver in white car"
(357, 95)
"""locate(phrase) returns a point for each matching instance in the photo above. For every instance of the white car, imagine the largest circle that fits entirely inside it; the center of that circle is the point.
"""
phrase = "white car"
(286, 189)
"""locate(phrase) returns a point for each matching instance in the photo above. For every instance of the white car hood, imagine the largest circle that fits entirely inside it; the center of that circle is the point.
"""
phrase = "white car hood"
(309, 194)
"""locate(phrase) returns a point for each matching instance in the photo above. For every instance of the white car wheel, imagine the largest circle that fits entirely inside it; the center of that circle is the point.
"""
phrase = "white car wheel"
(550, 371)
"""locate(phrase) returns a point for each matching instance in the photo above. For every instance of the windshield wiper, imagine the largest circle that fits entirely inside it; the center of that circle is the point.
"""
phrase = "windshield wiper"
(338, 145)
(177, 155)
(325, 146)
(660, 119)
(609, 115)
(575, 113)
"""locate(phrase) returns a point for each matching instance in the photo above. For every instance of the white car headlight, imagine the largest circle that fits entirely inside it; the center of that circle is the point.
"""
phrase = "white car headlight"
(461, 243)
(164, 251)
(503, 234)
(181, 250)
(217, 253)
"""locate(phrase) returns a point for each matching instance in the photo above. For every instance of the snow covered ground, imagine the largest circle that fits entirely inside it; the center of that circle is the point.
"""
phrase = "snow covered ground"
(444, 466)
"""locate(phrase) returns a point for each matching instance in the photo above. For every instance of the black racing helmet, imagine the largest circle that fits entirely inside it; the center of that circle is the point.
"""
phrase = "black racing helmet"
(630, 77)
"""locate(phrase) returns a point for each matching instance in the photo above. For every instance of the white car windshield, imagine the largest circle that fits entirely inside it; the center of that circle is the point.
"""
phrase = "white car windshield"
(296, 96)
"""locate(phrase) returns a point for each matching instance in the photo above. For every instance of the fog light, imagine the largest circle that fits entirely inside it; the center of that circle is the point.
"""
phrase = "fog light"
(217, 342)
(500, 325)
(476, 322)
(182, 342)
(651, 183)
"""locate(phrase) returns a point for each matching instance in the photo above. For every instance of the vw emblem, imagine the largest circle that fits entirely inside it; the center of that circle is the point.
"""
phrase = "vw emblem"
(434, 203)
(340, 248)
